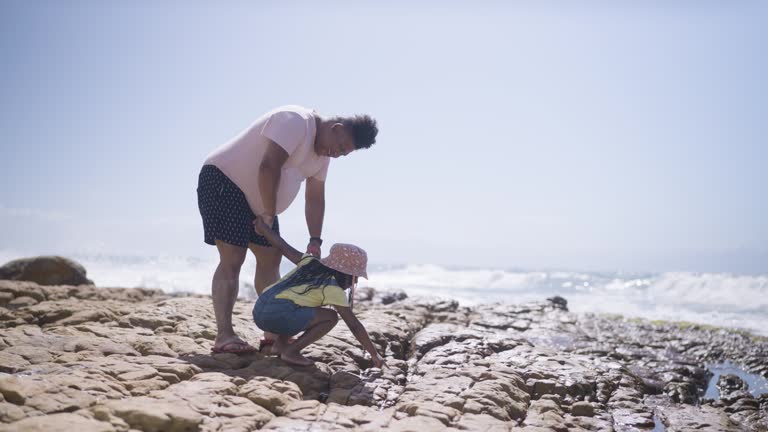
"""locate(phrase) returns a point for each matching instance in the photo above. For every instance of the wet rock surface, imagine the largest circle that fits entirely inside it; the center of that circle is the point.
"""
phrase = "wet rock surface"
(112, 359)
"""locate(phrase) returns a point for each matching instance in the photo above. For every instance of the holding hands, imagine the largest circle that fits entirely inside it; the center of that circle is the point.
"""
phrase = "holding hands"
(261, 227)
(313, 247)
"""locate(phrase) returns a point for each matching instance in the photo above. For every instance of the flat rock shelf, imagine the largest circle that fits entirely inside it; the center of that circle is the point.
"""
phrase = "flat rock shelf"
(85, 358)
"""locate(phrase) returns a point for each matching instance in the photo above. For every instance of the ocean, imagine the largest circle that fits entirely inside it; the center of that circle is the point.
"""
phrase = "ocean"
(720, 299)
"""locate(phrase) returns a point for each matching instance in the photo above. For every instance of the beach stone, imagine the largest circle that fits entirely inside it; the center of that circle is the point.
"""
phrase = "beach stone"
(60, 399)
(152, 415)
(103, 346)
(45, 270)
(20, 302)
(417, 424)
(235, 414)
(729, 383)
(446, 415)
(544, 413)
(17, 390)
(5, 298)
(12, 363)
(87, 316)
(33, 355)
(22, 289)
(559, 302)
(271, 394)
(392, 296)
(481, 422)
(146, 386)
(149, 320)
(54, 393)
(182, 345)
(150, 345)
(207, 383)
(63, 422)
(582, 409)
(212, 395)
(502, 398)
(10, 412)
(704, 418)
(50, 312)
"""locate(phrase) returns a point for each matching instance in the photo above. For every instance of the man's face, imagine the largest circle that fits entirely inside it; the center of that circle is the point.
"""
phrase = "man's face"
(339, 142)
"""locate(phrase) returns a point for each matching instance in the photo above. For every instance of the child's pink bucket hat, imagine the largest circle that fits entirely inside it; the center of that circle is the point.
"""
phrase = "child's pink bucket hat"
(347, 258)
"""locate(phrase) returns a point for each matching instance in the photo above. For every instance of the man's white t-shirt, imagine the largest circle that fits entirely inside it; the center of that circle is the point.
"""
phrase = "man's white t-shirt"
(293, 128)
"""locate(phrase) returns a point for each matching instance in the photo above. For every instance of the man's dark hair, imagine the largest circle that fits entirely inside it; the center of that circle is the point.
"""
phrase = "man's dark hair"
(364, 130)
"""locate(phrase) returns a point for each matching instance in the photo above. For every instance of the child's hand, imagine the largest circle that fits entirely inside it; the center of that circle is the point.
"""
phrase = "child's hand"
(313, 248)
(260, 227)
(378, 361)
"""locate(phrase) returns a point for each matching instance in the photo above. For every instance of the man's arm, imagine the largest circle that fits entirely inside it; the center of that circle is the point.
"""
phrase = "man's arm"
(314, 211)
(357, 329)
(269, 179)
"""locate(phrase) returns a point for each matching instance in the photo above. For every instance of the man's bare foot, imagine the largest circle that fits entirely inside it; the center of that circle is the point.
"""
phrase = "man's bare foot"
(222, 340)
(296, 359)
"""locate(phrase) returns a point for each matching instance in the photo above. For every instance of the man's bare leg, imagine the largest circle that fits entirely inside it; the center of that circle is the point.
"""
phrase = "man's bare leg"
(267, 271)
(224, 288)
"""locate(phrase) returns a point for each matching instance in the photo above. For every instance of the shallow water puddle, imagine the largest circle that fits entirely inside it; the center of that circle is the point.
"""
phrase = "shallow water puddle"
(658, 426)
(757, 384)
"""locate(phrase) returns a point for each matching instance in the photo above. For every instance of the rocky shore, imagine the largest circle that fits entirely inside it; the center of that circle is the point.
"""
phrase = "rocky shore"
(85, 358)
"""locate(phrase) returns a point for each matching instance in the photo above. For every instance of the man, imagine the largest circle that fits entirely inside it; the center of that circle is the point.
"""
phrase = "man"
(258, 174)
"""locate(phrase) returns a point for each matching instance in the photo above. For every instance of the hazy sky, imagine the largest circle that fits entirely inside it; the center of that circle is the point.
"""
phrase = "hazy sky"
(593, 137)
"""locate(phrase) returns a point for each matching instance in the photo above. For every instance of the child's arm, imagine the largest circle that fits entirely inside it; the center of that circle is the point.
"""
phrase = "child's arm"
(274, 238)
(357, 329)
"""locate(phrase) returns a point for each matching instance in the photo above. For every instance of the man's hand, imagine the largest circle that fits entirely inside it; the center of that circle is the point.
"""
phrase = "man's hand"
(313, 248)
(267, 219)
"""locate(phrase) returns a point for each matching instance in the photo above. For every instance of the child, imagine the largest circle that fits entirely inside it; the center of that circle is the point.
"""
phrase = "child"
(294, 303)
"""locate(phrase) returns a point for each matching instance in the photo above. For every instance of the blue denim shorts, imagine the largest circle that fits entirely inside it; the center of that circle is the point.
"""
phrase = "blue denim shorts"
(281, 316)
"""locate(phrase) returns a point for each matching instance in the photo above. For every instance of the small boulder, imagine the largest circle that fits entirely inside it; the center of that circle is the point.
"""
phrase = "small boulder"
(558, 302)
(582, 409)
(45, 270)
(20, 302)
(152, 415)
(63, 422)
(730, 383)
(389, 297)
(5, 298)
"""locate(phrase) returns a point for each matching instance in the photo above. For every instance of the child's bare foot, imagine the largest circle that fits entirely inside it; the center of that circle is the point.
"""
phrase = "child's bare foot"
(271, 347)
(296, 358)
(280, 345)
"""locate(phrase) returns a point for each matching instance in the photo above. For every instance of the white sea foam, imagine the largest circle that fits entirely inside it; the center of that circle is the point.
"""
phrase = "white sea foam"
(708, 298)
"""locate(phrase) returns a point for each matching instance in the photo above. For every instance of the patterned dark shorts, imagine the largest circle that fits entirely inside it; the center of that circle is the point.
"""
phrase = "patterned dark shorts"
(225, 211)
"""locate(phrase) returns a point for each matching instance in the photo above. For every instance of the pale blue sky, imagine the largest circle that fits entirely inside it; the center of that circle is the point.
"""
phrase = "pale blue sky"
(597, 136)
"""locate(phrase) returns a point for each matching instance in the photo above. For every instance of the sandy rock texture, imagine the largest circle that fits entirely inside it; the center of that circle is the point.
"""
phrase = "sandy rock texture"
(113, 359)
